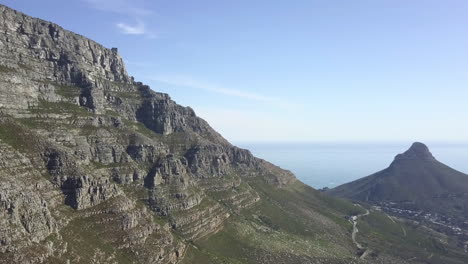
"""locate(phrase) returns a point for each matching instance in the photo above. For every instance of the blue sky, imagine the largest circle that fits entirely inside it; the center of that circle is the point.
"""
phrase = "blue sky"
(303, 70)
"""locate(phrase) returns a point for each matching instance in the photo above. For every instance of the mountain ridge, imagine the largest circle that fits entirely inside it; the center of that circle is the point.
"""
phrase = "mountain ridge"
(98, 168)
(413, 175)
(88, 132)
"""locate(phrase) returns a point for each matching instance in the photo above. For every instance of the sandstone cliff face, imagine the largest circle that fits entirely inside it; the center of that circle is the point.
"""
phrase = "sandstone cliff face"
(83, 144)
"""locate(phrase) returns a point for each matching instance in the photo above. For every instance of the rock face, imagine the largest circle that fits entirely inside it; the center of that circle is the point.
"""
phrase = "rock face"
(88, 154)
(414, 176)
(418, 152)
(26, 202)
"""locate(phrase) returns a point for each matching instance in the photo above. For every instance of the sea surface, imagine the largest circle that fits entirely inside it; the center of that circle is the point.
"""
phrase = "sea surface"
(331, 164)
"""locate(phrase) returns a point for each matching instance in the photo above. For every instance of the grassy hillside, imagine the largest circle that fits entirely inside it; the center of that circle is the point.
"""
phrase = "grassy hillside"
(297, 224)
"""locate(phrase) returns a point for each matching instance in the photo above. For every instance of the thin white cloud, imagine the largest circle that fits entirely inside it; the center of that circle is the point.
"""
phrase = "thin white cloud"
(191, 83)
(126, 7)
(136, 29)
(129, 8)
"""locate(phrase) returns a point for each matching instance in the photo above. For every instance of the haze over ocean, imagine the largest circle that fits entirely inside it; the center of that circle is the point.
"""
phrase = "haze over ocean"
(331, 164)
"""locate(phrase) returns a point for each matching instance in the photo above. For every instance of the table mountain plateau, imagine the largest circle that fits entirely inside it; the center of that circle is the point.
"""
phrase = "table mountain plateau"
(96, 167)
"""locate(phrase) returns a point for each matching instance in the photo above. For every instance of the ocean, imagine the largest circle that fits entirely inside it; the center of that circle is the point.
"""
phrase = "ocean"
(331, 164)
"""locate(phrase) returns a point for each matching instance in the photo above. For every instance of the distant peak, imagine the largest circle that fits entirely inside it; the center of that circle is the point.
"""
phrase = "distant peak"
(417, 150)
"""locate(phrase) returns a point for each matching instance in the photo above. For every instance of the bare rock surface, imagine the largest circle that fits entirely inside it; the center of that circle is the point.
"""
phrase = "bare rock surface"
(84, 146)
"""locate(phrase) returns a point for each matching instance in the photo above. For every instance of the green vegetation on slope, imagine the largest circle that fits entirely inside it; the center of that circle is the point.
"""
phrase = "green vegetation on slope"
(284, 226)
(46, 107)
(17, 136)
(407, 240)
(297, 224)
(6, 69)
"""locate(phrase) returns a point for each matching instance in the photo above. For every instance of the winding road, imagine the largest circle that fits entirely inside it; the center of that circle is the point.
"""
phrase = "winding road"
(356, 230)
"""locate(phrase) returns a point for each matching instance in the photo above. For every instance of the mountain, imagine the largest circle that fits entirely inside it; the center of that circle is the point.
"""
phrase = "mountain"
(96, 167)
(414, 175)
(419, 188)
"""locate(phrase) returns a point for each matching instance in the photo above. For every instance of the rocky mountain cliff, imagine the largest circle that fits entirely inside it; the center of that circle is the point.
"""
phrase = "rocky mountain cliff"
(98, 168)
(76, 130)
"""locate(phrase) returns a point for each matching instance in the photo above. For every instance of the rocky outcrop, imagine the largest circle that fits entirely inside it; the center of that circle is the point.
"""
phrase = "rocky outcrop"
(83, 144)
(27, 204)
(201, 220)
(44, 51)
